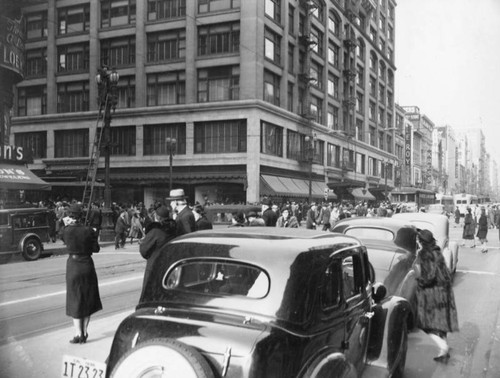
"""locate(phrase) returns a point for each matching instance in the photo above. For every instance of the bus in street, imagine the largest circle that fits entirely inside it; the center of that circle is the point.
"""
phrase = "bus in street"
(463, 201)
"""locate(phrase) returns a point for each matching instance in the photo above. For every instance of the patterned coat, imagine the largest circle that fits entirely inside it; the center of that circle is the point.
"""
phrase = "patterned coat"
(436, 309)
(469, 227)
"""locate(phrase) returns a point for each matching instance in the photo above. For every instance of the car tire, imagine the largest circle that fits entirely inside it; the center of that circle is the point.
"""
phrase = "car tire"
(166, 357)
(32, 249)
(398, 371)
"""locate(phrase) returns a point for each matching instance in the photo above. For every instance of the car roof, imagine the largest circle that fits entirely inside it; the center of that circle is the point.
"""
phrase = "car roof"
(288, 241)
(437, 223)
(402, 229)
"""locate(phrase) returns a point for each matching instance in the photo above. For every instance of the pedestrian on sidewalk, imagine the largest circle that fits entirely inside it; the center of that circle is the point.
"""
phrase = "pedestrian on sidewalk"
(457, 217)
(82, 288)
(158, 233)
(469, 229)
(184, 215)
(436, 308)
(482, 230)
(121, 229)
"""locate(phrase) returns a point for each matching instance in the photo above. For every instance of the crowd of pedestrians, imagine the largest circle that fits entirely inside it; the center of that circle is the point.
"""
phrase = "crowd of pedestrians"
(476, 222)
(321, 216)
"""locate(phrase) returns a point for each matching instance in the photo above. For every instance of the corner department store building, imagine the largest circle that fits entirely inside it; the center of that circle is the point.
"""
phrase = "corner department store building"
(245, 87)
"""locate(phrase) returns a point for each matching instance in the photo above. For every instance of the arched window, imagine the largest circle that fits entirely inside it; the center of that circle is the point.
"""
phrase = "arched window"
(390, 78)
(334, 23)
(382, 73)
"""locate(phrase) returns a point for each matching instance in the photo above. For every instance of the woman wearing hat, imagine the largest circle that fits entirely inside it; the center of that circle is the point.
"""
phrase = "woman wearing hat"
(286, 219)
(436, 309)
(82, 288)
(469, 228)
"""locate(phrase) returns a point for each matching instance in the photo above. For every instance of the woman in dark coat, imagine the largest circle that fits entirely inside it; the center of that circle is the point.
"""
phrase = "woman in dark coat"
(469, 228)
(482, 230)
(436, 309)
(457, 216)
(201, 220)
(82, 288)
(158, 233)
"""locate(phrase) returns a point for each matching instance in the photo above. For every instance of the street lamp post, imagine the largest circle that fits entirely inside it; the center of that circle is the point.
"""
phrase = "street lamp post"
(107, 99)
(310, 141)
(171, 152)
(385, 178)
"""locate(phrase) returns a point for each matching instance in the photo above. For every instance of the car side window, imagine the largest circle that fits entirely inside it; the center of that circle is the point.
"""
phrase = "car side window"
(330, 288)
(352, 275)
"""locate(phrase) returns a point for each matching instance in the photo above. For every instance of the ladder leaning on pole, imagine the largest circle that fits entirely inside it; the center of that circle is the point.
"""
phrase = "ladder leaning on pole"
(88, 191)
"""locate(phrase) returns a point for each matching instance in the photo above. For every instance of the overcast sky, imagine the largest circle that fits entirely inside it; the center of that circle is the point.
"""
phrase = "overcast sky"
(448, 63)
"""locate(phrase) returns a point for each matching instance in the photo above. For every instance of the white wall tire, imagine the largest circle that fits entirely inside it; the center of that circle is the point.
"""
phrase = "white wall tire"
(162, 358)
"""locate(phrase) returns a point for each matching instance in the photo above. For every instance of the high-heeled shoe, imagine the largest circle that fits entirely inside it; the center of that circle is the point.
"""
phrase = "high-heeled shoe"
(76, 340)
(443, 358)
(83, 339)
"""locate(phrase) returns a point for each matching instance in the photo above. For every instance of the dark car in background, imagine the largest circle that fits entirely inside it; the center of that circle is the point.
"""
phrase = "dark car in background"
(23, 230)
(262, 302)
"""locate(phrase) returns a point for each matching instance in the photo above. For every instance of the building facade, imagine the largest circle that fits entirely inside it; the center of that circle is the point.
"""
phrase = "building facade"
(279, 97)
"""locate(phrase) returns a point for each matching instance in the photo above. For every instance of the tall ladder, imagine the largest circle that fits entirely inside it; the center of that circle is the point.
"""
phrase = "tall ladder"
(88, 192)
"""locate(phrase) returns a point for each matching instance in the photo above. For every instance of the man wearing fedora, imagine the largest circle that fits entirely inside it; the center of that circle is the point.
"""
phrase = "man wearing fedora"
(269, 216)
(185, 217)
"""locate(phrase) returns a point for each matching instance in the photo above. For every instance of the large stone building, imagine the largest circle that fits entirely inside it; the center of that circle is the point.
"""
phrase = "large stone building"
(275, 97)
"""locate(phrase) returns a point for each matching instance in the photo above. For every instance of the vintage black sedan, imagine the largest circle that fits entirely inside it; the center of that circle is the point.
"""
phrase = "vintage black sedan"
(262, 302)
(392, 249)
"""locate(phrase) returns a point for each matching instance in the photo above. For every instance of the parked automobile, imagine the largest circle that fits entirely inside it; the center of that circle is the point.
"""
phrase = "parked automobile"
(392, 249)
(439, 225)
(23, 230)
(262, 302)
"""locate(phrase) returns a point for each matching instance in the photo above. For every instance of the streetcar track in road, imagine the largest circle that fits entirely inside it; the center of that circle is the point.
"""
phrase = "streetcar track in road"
(38, 297)
(7, 338)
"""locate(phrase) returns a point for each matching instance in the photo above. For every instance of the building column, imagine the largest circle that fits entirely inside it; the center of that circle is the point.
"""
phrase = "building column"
(253, 158)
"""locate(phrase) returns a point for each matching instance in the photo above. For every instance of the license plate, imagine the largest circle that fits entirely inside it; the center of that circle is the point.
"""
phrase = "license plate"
(77, 367)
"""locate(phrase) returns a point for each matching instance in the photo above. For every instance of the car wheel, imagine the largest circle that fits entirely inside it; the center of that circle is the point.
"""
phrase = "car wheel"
(399, 370)
(32, 249)
(162, 357)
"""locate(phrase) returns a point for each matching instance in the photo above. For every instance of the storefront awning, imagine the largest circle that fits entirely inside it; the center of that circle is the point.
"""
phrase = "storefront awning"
(360, 194)
(18, 177)
(292, 187)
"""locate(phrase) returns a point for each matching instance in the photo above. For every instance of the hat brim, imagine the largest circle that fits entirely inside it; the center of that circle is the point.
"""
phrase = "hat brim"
(176, 198)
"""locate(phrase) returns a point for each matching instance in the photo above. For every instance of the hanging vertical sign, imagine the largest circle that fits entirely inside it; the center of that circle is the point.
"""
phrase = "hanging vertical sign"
(429, 167)
(407, 154)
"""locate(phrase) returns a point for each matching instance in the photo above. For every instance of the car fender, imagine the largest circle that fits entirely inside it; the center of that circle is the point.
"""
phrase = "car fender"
(388, 322)
(330, 364)
(29, 235)
(448, 258)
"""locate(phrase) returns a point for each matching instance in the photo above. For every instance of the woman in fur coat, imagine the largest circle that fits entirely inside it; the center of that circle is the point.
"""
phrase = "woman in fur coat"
(436, 309)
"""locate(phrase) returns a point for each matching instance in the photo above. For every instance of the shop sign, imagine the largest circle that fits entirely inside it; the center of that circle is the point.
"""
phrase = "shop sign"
(12, 45)
(15, 154)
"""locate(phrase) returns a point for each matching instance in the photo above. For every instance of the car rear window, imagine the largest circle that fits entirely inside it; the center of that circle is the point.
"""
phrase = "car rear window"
(218, 278)
(370, 233)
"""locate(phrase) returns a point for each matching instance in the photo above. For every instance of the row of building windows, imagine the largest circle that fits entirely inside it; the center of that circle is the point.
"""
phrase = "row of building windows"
(209, 138)
(76, 19)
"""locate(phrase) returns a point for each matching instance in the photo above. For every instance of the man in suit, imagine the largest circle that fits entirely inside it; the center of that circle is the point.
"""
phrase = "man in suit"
(185, 218)
(269, 216)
